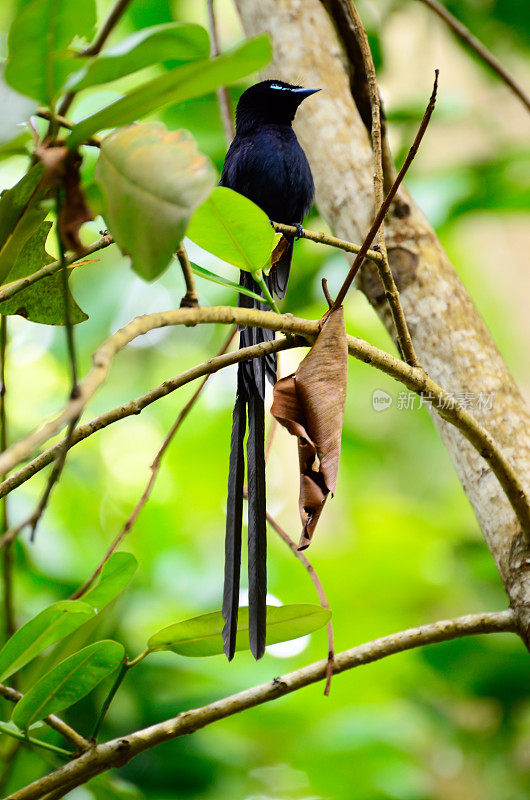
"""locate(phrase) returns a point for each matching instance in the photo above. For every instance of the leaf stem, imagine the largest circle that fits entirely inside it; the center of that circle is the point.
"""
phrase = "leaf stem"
(135, 661)
(258, 277)
(122, 672)
(4, 728)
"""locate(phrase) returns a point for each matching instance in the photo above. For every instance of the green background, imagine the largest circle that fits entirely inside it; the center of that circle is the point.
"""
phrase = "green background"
(398, 546)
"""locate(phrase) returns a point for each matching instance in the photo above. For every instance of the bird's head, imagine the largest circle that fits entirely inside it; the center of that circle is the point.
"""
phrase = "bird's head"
(270, 102)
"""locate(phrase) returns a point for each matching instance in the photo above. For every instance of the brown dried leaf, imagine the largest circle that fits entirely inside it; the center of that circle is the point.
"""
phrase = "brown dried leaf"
(62, 168)
(280, 249)
(310, 404)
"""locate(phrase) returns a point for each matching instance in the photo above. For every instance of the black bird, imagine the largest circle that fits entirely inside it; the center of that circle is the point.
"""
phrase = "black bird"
(266, 164)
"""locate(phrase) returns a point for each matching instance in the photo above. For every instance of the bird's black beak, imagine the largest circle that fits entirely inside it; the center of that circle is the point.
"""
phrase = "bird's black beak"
(303, 93)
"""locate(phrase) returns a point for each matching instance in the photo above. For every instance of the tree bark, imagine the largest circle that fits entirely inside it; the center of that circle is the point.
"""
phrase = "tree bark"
(450, 338)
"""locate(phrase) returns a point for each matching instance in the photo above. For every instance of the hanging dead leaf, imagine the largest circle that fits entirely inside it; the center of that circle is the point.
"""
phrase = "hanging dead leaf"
(310, 404)
(61, 168)
(281, 248)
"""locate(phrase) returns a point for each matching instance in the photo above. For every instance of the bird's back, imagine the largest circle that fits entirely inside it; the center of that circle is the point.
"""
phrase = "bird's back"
(269, 167)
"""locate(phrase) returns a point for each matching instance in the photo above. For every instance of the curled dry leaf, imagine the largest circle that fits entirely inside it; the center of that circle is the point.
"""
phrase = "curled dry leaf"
(310, 404)
(61, 168)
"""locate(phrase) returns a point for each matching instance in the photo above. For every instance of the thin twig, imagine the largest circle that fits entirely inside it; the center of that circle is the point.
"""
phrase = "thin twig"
(45, 113)
(402, 332)
(122, 672)
(7, 566)
(327, 295)
(270, 438)
(108, 26)
(191, 298)
(389, 197)
(482, 52)
(11, 289)
(319, 589)
(134, 407)
(52, 720)
(223, 96)
(118, 752)
(67, 310)
(55, 474)
(325, 238)
(93, 49)
(414, 378)
(155, 469)
(33, 521)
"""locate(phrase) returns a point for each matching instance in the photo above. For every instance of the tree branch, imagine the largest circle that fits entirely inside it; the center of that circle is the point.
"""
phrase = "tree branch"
(44, 113)
(324, 238)
(402, 331)
(481, 51)
(11, 289)
(383, 210)
(136, 406)
(414, 378)
(52, 721)
(317, 583)
(191, 298)
(223, 96)
(118, 752)
(451, 340)
(93, 49)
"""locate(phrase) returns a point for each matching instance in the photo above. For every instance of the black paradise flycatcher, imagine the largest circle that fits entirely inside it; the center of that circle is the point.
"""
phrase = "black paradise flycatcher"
(266, 163)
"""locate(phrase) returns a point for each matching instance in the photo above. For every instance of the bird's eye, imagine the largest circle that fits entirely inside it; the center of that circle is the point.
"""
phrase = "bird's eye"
(277, 86)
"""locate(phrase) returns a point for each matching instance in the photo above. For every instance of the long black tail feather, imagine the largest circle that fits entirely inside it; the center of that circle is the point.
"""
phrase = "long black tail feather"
(257, 526)
(234, 516)
(250, 397)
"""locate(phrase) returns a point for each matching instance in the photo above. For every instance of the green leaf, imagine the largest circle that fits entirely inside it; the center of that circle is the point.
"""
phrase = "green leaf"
(20, 216)
(39, 60)
(211, 276)
(68, 682)
(234, 229)
(42, 301)
(152, 180)
(202, 636)
(16, 147)
(15, 110)
(114, 577)
(175, 41)
(175, 86)
(49, 626)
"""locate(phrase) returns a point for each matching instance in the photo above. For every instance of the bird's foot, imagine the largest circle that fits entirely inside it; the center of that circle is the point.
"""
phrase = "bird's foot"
(300, 234)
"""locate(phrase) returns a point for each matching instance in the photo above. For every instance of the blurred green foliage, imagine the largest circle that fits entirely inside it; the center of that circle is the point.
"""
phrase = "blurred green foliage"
(398, 545)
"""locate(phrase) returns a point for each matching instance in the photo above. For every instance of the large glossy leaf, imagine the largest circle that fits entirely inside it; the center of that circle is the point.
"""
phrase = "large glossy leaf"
(152, 180)
(39, 61)
(234, 229)
(42, 301)
(20, 216)
(68, 682)
(178, 42)
(49, 626)
(202, 636)
(114, 577)
(175, 86)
